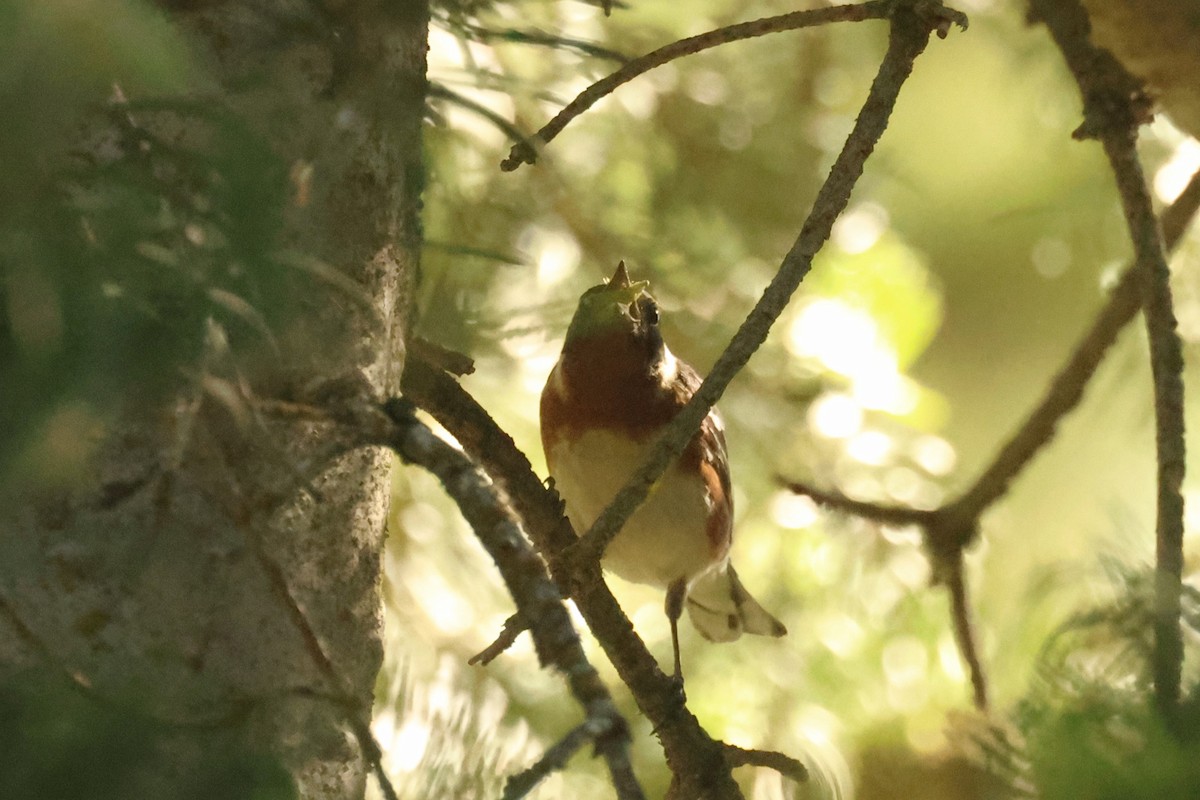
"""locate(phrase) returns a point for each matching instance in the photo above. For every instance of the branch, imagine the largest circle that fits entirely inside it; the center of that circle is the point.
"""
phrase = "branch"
(536, 596)
(785, 765)
(1114, 106)
(514, 626)
(910, 30)
(526, 150)
(964, 632)
(541, 38)
(498, 120)
(1066, 388)
(877, 512)
(689, 749)
(553, 760)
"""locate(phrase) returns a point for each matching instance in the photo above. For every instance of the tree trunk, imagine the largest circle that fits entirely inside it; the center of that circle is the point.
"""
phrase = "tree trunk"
(223, 575)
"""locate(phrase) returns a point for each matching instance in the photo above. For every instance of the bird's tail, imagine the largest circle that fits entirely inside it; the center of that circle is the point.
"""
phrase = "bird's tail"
(722, 609)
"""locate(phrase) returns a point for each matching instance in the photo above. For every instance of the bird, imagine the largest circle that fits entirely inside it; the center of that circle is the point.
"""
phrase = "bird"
(1158, 41)
(615, 386)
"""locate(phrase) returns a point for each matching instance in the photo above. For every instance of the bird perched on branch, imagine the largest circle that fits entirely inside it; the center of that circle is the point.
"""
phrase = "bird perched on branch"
(614, 388)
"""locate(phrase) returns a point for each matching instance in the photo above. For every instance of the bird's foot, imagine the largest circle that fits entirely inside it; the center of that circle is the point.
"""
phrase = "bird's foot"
(678, 691)
(676, 704)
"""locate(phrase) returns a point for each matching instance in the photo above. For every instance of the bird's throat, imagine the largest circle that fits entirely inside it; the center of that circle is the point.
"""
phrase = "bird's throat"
(613, 381)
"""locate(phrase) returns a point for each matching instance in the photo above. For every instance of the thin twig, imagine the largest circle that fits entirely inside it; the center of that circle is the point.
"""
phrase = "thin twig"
(525, 151)
(536, 37)
(513, 628)
(1114, 106)
(784, 764)
(877, 512)
(910, 33)
(497, 119)
(452, 361)
(540, 602)
(553, 760)
(964, 631)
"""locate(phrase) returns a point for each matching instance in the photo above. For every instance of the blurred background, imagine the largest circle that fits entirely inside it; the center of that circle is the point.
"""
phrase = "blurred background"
(976, 249)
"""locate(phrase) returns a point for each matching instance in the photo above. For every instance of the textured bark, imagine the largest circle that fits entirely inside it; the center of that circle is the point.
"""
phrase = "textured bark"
(178, 571)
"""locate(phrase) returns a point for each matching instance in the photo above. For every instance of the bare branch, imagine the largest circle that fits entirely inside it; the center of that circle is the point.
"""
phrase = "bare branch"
(964, 631)
(525, 151)
(452, 361)
(1066, 388)
(554, 759)
(785, 765)
(887, 514)
(536, 596)
(1114, 106)
(689, 749)
(513, 627)
(954, 525)
(496, 119)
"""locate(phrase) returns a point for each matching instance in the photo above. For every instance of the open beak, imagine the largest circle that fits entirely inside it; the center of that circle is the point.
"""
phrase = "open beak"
(620, 278)
(628, 291)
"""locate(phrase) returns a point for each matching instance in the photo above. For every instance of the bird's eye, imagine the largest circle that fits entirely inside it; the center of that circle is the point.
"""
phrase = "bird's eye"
(649, 310)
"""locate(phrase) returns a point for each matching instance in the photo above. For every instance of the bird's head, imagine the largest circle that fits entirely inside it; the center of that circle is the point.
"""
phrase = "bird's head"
(615, 308)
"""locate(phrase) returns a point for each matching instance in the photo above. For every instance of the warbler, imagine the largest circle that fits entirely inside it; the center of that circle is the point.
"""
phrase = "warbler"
(614, 388)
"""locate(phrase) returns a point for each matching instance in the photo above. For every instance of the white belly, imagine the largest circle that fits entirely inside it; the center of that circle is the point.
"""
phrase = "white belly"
(666, 537)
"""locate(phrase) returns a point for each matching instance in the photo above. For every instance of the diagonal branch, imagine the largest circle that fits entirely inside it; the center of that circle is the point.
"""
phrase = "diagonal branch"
(526, 150)
(876, 512)
(539, 600)
(1067, 387)
(554, 759)
(689, 749)
(785, 765)
(964, 631)
(910, 31)
(1114, 106)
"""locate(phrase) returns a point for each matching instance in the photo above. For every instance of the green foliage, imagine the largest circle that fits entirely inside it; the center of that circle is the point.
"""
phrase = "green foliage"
(57, 60)
(62, 742)
(1091, 728)
(128, 260)
(1105, 746)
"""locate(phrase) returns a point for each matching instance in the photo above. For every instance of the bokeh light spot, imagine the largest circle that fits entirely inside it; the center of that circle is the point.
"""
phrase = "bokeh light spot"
(859, 229)
(835, 415)
(793, 511)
